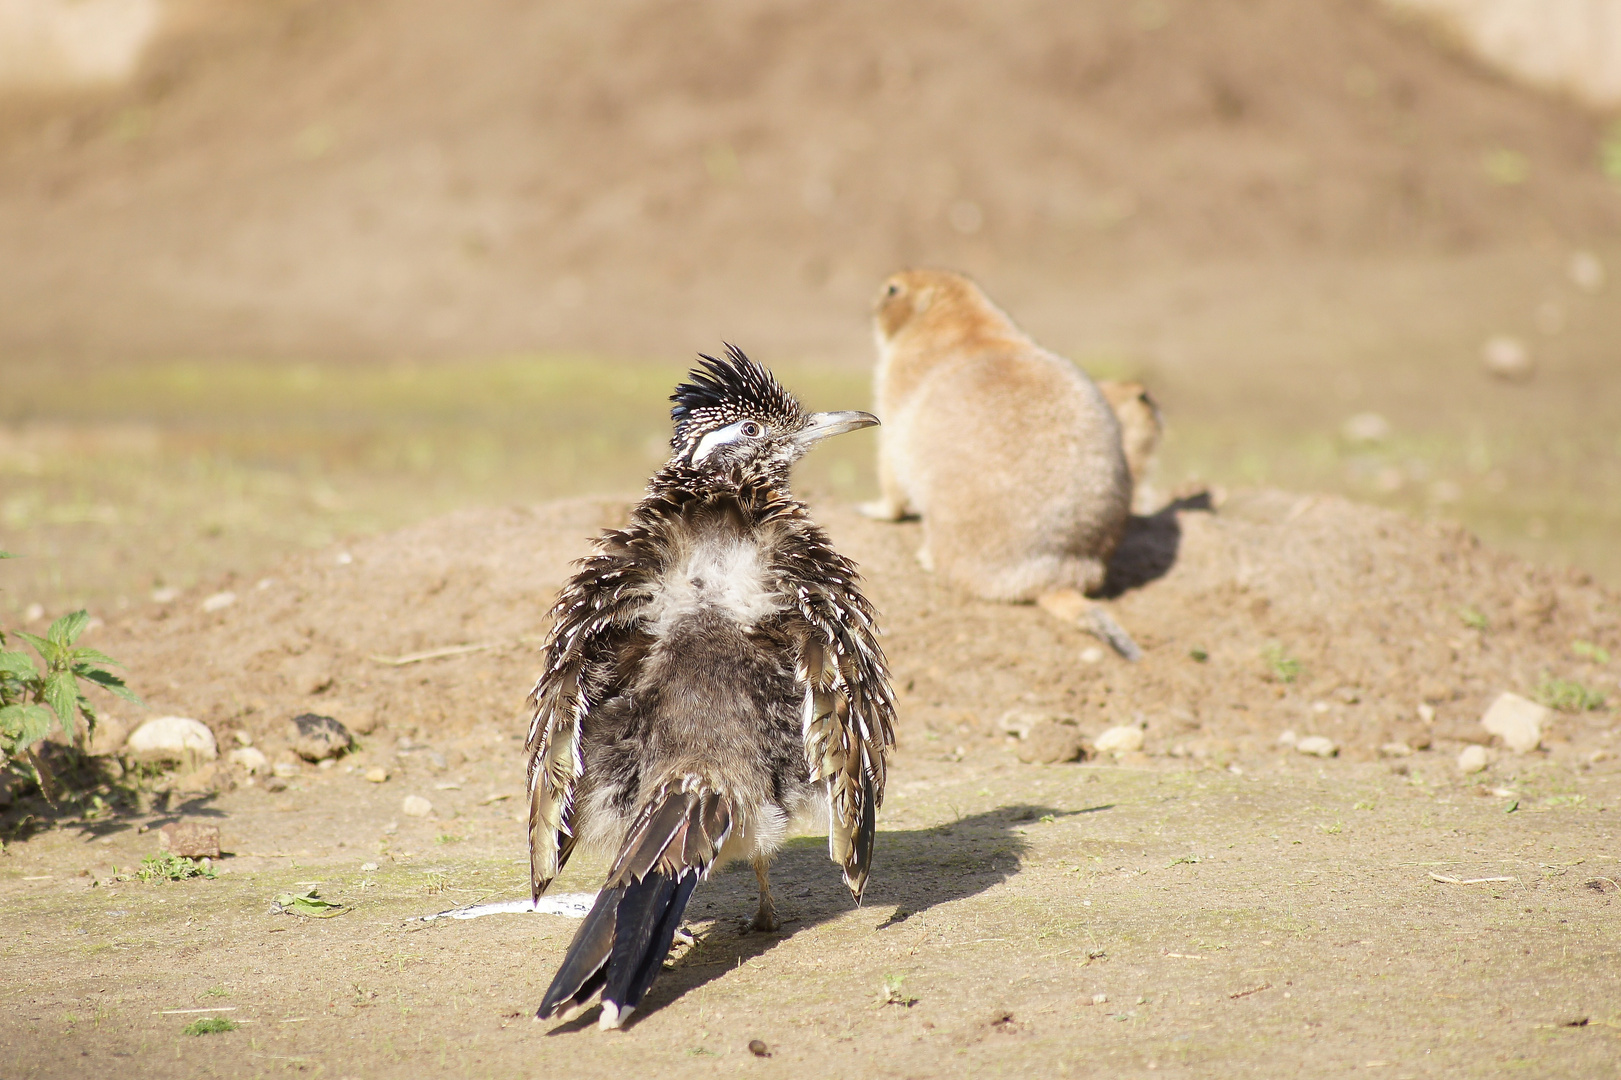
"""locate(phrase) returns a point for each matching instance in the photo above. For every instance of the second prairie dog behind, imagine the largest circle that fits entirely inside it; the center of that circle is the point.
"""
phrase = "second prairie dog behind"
(1009, 452)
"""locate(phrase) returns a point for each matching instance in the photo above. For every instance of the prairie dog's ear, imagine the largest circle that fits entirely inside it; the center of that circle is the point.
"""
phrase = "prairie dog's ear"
(924, 298)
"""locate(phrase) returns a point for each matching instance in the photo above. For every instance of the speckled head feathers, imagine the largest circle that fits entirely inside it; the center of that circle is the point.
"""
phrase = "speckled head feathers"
(721, 391)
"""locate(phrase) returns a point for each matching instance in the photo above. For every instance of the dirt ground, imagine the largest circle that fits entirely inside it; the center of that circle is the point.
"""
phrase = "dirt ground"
(1006, 895)
(328, 308)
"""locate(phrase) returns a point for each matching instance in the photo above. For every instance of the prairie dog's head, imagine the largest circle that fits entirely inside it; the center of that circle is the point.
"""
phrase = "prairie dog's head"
(938, 305)
(1140, 422)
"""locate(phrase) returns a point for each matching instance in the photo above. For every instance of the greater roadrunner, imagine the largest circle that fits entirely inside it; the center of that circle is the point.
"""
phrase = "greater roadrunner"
(712, 674)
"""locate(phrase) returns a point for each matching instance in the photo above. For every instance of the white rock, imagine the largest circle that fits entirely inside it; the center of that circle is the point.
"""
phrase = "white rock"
(285, 769)
(1395, 749)
(1506, 357)
(1317, 746)
(416, 806)
(1020, 721)
(1288, 738)
(173, 738)
(1473, 759)
(1121, 739)
(1092, 655)
(367, 867)
(250, 758)
(1516, 721)
(219, 601)
(165, 594)
(1366, 427)
(1586, 271)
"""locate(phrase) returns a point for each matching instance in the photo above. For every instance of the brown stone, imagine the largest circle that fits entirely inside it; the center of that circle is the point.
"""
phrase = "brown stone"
(314, 738)
(1051, 742)
(192, 839)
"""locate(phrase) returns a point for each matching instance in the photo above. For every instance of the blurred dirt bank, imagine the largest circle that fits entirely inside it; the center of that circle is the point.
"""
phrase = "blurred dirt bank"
(412, 178)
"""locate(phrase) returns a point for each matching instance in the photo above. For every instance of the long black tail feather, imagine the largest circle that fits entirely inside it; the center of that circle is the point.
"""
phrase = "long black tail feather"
(622, 944)
(585, 965)
(648, 916)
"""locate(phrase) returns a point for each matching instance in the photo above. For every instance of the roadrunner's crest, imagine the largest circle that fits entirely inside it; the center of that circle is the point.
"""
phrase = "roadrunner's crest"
(712, 673)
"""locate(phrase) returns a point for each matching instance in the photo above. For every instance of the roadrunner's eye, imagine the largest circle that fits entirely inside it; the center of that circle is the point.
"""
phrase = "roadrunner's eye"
(751, 430)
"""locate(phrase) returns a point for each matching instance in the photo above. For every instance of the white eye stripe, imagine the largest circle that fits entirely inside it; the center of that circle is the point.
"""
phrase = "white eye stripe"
(717, 439)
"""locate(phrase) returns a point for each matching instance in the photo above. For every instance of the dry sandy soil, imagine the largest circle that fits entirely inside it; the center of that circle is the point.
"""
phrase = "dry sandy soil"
(1279, 212)
(1238, 905)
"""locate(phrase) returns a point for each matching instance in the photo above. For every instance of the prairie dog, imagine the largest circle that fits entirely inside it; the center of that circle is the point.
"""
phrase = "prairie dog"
(1140, 429)
(1008, 452)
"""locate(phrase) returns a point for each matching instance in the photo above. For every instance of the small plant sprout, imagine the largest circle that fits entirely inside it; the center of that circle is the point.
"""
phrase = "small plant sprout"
(1589, 651)
(1473, 619)
(37, 696)
(895, 992)
(1284, 668)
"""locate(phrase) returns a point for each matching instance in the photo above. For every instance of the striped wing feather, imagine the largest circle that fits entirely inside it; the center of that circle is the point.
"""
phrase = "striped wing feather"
(849, 709)
(591, 622)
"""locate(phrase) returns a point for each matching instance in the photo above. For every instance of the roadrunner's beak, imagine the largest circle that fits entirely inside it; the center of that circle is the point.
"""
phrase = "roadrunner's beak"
(823, 425)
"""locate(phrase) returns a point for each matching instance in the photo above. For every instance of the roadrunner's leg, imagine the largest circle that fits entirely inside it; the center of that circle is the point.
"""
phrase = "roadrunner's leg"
(765, 919)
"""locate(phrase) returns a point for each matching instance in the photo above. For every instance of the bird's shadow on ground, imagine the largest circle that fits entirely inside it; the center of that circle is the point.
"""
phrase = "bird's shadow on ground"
(913, 870)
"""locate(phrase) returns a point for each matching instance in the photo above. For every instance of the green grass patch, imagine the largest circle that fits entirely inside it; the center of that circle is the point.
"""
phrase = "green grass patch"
(209, 1025)
(1568, 695)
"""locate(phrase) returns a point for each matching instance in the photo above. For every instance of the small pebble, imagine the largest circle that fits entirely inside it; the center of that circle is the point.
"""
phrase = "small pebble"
(1120, 739)
(1507, 358)
(377, 774)
(285, 769)
(190, 839)
(1586, 271)
(1288, 738)
(1091, 655)
(250, 758)
(367, 867)
(416, 806)
(1367, 427)
(315, 738)
(1317, 746)
(1100, 999)
(1517, 722)
(172, 738)
(1395, 749)
(758, 1048)
(219, 601)
(1473, 759)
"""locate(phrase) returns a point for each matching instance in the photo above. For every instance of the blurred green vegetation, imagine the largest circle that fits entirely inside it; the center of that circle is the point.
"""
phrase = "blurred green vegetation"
(116, 481)
(120, 480)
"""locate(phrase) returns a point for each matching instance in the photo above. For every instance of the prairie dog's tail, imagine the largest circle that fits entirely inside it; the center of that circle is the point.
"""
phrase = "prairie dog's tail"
(622, 944)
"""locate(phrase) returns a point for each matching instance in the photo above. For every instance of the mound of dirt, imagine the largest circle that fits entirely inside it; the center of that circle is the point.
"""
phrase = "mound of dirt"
(1277, 612)
(410, 176)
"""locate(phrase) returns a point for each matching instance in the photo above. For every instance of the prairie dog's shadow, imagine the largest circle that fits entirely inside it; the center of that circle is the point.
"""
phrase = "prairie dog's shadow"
(1149, 549)
(913, 870)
